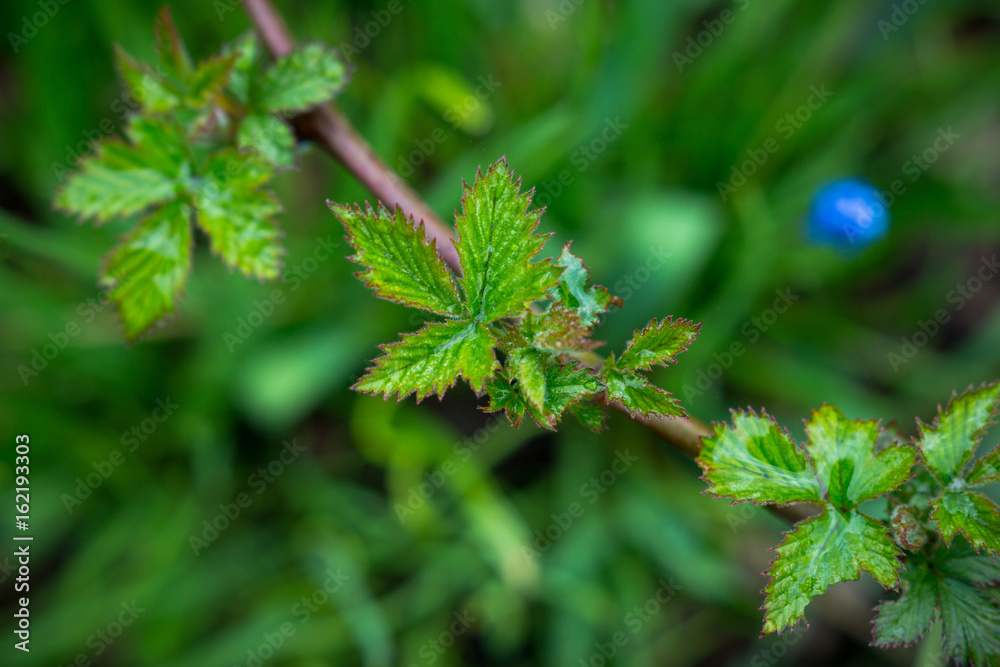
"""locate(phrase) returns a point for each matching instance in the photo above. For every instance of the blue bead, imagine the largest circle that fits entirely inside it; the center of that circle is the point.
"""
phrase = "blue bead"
(848, 213)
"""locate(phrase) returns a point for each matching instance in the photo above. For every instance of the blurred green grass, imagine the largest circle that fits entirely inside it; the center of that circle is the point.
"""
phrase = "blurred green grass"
(561, 72)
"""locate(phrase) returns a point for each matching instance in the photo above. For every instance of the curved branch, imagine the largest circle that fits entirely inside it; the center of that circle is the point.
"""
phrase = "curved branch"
(333, 131)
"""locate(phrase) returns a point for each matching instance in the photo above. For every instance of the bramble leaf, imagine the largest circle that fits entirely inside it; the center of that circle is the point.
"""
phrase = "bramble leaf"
(657, 345)
(756, 460)
(971, 514)
(504, 396)
(302, 79)
(970, 623)
(543, 342)
(905, 621)
(400, 263)
(564, 387)
(945, 587)
(558, 330)
(527, 367)
(148, 270)
(824, 550)
(170, 48)
(246, 72)
(204, 141)
(122, 179)
(430, 360)
(838, 468)
(638, 395)
(237, 215)
(987, 469)
(495, 246)
(843, 453)
(268, 136)
(588, 303)
(961, 561)
(146, 86)
(949, 443)
(591, 413)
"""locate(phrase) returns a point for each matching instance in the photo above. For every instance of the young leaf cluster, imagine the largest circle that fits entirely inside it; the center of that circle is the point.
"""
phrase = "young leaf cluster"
(941, 538)
(511, 325)
(200, 149)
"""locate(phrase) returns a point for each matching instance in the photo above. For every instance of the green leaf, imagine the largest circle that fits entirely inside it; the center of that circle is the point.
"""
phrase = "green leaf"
(495, 245)
(503, 396)
(173, 54)
(970, 514)
(970, 624)
(558, 330)
(527, 367)
(429, 361)
(756, 460)
(207, 81)
(244, 77)
(162, 91)
(949, 443)
(237, 215)
(148, 270)
(843, 453)
(145, 85)
(657, 345)
(905, 621)
(637, 395)
(961, 561)
(824, 550)
(945, 588)
(987, 469)
(123, 179)
(159, 143)
(400, 264)
(302, 79)
(565, 385)
(587, 302)
(268, 136)
(591, 413)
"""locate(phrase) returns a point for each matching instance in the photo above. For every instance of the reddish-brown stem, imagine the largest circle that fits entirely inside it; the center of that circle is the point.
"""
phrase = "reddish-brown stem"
(333, 131)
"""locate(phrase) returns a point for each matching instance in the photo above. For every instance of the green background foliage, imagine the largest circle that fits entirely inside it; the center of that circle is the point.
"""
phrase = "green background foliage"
(588, 104)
